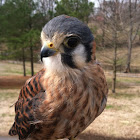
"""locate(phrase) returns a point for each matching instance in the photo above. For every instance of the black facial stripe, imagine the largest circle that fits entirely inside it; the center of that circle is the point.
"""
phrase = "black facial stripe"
(89, 52)
(67, 60)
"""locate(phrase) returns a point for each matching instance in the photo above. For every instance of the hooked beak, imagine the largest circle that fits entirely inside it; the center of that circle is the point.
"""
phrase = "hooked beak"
(46, 52)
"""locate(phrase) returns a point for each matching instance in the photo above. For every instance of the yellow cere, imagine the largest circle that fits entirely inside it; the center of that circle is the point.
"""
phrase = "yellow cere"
(50, 45)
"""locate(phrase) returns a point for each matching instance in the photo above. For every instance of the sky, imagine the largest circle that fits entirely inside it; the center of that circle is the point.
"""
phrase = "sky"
(96, 2)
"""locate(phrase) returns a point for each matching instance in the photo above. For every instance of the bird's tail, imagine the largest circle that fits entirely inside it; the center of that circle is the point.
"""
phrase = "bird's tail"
(13, 131)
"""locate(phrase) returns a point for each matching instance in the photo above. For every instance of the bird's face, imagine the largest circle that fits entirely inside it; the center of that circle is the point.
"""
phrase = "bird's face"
(66, 44)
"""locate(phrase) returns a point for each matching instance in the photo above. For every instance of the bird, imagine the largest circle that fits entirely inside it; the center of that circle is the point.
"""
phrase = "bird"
(69, 92)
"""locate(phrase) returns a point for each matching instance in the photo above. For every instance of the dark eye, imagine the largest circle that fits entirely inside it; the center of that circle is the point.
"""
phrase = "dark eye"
(71, 42)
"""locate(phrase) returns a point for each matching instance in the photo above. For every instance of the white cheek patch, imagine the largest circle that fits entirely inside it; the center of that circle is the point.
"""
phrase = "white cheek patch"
(53, 64)
(79, 56)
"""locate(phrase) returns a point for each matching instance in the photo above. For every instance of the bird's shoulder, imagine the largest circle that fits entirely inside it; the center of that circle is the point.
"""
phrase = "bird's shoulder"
(32, 86)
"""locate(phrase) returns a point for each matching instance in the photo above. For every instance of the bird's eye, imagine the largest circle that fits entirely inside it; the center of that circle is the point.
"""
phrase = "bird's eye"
(71, 42)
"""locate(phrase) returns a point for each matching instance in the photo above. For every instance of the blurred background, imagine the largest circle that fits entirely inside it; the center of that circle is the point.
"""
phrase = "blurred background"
(116, 28)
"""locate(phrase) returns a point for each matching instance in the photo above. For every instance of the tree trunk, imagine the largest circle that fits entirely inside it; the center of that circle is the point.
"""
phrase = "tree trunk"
(103, 27)
(114, 64)
(32, 61)
(103, 37)
(115, 38)
(23, 59)
(31, 46)
(114, 73)
(127, 70)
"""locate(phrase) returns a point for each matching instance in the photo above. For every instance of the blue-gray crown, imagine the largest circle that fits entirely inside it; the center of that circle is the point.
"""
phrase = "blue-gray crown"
(68, 25)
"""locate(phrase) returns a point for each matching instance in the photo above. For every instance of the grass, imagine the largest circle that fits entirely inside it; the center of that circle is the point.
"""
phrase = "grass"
(128, 80)
(7, 94)
(10, 68)
(123, 82)
(105, 55)
(122, 95)
(4, 115)
(113, 107)
(109, 106)
(7, 98)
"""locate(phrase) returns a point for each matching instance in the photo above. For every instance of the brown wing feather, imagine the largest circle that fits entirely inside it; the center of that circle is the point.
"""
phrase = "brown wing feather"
(24, 106)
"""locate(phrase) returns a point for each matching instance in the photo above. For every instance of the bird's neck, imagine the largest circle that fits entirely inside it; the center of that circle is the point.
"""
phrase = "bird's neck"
(69, 76)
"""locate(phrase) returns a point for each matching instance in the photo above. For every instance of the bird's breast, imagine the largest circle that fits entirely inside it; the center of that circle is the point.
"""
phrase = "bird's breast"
(73, 102)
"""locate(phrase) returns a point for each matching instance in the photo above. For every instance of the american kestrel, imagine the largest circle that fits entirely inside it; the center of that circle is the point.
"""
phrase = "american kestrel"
(65, 97)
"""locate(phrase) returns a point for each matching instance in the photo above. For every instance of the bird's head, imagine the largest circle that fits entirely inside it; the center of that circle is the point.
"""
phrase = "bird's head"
(67, 43)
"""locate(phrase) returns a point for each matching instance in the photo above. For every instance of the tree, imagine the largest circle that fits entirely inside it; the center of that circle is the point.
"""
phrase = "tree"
(46, 7)
(133, 25)
(20, 29)
(77, 8)
(110, 21)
